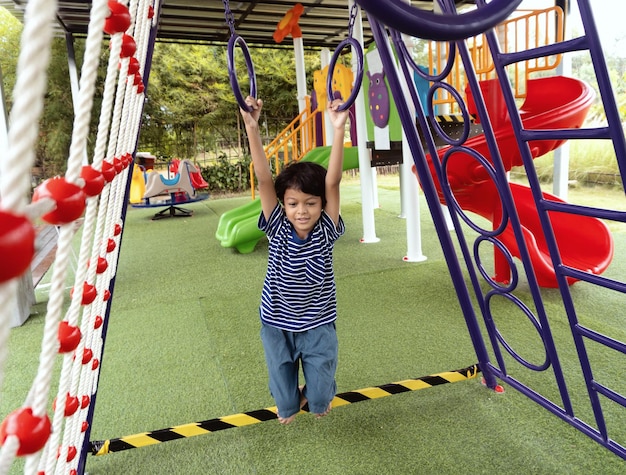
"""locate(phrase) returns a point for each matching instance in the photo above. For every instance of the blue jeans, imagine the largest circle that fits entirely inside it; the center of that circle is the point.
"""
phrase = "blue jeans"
(317, 350)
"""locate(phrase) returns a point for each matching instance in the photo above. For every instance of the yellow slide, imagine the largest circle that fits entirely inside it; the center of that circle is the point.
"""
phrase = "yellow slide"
(137, 186)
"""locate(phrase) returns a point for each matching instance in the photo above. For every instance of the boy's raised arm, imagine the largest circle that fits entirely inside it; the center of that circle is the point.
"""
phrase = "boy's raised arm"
(262, 171)
(335, 162)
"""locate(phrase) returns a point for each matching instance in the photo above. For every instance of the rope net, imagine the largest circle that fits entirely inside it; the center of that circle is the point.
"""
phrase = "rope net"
(51, 426)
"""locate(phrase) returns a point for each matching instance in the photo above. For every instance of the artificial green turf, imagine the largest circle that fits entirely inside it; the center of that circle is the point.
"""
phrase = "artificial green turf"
(183, 346)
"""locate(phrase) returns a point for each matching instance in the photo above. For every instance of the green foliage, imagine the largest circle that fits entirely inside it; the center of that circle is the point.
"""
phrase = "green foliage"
(56, 122)
(10, 31)
(228, 177)
(57, 118)
(191, 106)
(184, 91)
(591, 162)
(582, 68)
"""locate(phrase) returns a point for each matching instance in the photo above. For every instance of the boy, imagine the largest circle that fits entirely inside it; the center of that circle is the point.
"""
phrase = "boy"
(300, 215)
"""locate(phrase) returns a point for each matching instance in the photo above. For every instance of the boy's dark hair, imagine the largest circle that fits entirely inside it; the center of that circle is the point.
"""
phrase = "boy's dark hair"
(308, 177)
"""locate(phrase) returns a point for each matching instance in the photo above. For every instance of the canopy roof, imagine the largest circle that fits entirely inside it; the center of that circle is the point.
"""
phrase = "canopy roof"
(324, 23)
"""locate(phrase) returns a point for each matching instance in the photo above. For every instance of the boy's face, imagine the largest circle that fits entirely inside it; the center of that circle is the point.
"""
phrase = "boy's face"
(303, 210)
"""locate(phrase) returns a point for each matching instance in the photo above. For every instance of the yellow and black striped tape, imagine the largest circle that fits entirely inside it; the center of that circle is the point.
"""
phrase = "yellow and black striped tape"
(450, 119)
(103, 447)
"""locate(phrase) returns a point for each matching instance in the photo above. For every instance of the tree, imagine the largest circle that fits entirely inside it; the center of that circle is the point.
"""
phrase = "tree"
(55, 125)
(10, 32)
(181, 92)
(191, 106)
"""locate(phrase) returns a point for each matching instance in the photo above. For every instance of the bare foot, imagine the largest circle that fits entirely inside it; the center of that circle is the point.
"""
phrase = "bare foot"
(325, 413)
(288, 420)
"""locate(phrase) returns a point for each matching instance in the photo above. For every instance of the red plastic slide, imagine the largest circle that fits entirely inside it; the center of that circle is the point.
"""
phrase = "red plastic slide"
(584, 243)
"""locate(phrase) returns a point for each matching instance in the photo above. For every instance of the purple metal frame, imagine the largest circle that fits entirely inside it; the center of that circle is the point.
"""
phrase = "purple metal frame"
(447, 27)
(495, 170)
(440, 27)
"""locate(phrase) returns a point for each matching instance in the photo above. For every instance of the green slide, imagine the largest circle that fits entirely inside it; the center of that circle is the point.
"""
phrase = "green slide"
(238, 227)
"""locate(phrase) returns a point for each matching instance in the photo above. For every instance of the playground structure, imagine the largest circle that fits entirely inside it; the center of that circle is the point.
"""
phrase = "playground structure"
(157, 184)
(148, 188)
(555, 102)
(197, 180)
(28, 431)
(493, 168)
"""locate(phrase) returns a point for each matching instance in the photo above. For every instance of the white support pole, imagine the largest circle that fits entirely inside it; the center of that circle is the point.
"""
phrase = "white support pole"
(409, 188)
(560, 178)
(365, 163)
(375, 187)
(298, 50)
(328, 128)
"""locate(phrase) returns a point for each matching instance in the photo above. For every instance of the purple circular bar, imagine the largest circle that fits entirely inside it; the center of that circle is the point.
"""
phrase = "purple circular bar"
(402, 49)
(356, 48)
(436, 125)
(439, 27)
(232, 71)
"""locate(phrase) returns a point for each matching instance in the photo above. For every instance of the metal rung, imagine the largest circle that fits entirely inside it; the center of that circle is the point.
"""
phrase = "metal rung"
(576, 44)
(565, 134)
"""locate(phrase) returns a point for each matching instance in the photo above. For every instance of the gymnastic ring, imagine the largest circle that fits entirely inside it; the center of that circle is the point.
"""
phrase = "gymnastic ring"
(232, 71)
(439, 26)
(356, 48)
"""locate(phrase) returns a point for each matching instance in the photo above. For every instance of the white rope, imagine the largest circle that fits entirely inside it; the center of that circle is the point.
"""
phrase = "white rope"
(87, 86)
(80, 129)
(29, 90)
(11, 445)
(107, 102)
(84, 376)
(85, 379)
(118, 125)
